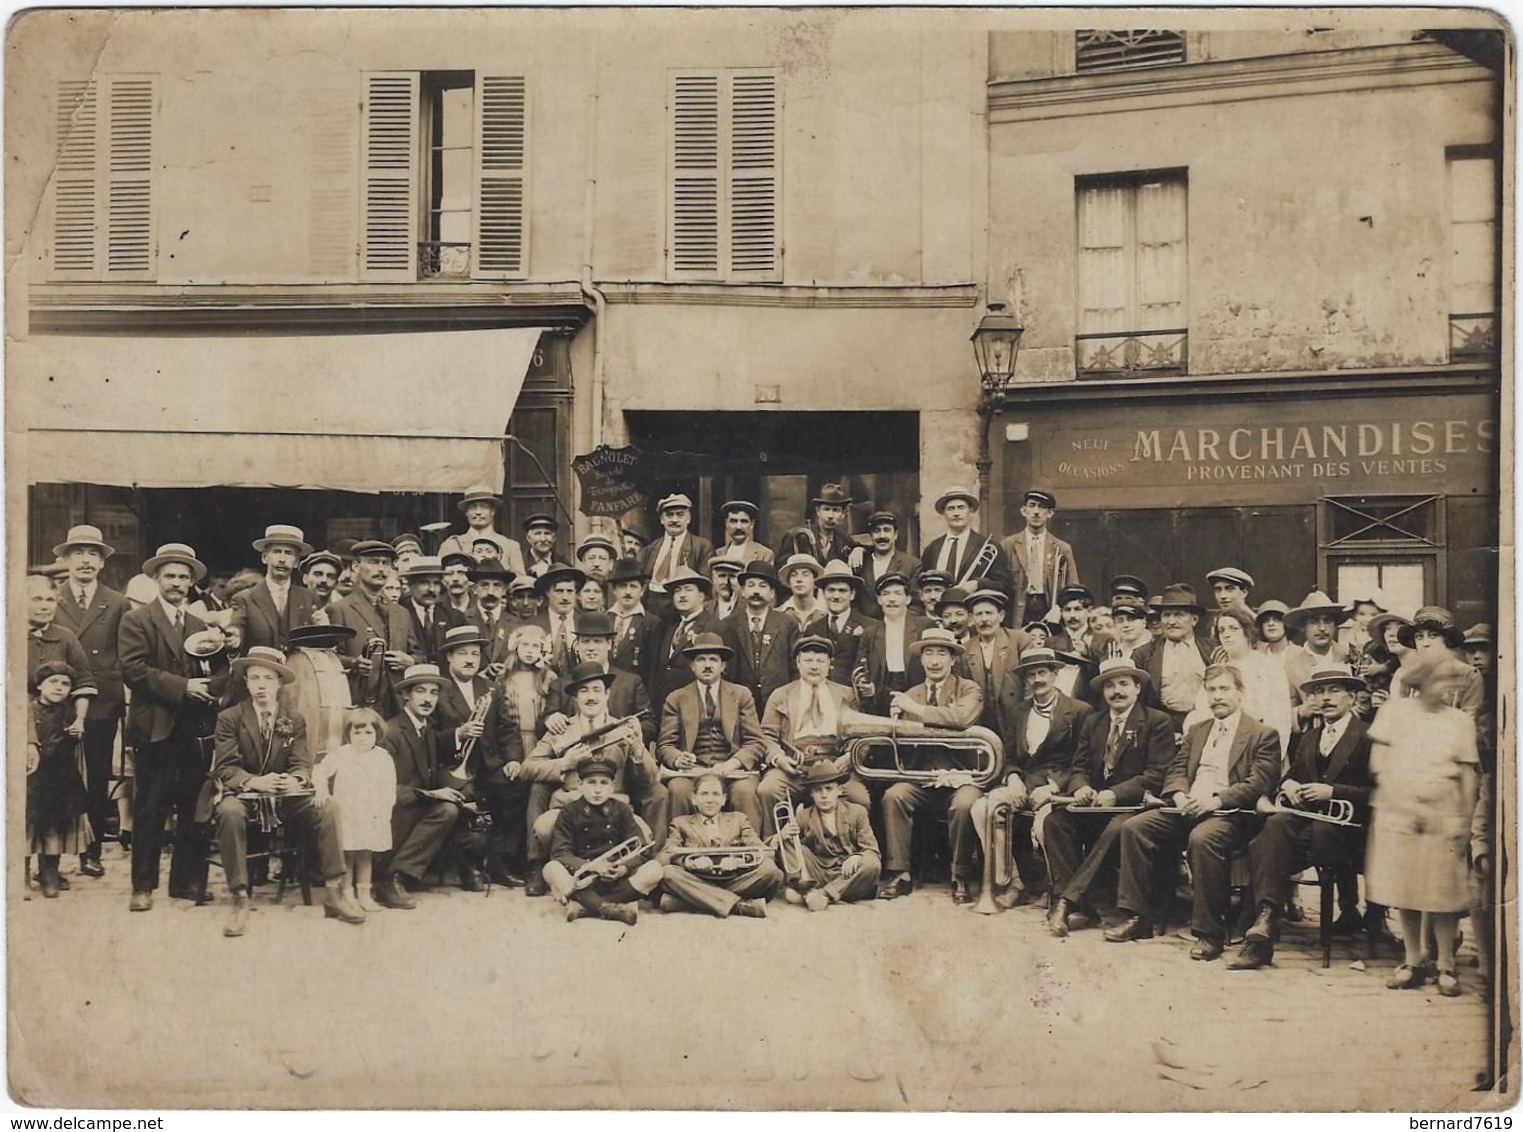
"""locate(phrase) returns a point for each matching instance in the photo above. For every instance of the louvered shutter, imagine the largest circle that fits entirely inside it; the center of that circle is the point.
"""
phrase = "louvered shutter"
(753, 175)
(77, 182)
(130, 101)
(502, 181)
(390, 148)
(695, 207)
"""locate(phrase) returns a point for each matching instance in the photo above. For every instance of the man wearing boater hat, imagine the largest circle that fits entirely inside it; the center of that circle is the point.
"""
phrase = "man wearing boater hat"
(761, 637)
(430, 615)
(372, 618)
(263, 764)
(740, 518)
(1317, 619)
(274, 607)
(1040, 563)
(849, 632)
(825, 535)
(480, 506)
(961, 552)
(167, 695)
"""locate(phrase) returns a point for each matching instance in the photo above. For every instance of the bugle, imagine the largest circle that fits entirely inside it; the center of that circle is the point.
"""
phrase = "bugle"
(890, 750)
(782, 817)
(720, 862)
(630, 849)
(372, 682)
(999, 853)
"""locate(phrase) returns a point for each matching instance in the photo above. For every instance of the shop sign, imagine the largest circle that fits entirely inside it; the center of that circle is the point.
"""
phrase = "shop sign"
(608, 477)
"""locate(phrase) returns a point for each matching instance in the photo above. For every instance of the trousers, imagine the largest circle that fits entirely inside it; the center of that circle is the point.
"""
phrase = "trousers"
(169, 777)
(1148, 841)
(418, 831)
(100, 744)
(641, 882)
(1080, 849)
(1286, 845)
(825, 873)
(720, 897)
(903, 800)
(299, 815)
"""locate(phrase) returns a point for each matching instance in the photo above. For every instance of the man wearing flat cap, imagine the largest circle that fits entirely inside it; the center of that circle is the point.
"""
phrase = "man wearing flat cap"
(1040, 563)
(826, 534)
(275, 606)
(881, 558)
(373, 618)
(539, 534)
(480, 507)
(961, 552)
(319, 574)
(1231, 586)
(677, 547)
(740, 517)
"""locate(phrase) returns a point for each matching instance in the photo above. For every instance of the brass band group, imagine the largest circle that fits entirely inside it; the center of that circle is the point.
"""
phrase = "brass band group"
(699, 728)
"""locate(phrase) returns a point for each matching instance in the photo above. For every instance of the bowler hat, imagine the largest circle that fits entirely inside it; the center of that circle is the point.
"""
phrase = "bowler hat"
(458, 636)
(837, 571)
(283, 534)
(261, 656)
(756, 568)
(627, 570)
(586, 673)
(1432, 617)
(419, 674)
(481, 493)
(558, 572)
(813, 642)
(708, 642)
(741, 505)
(593, 624)
(954, 595)
(936, 638)
(1317, 604)
(1334, 674)
(1042, 498)
(1117, 666)
(1178, 595)
(84, 535)
(1231, 574)
(822, 772)
(952, 493)
(492, 570)
(318, 636)
(175, 552)
(540, 520)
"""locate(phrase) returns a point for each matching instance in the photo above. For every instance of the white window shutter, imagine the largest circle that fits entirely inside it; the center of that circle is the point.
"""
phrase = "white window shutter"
(1104, 265)
(390, 148)
(1472, 218)
(502, 177)
(1161, 268)
(753, 196)
(77, 184)
(130, 104)
(693, 243)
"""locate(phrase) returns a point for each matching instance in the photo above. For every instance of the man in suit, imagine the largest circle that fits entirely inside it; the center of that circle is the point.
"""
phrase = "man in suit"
(722, 573)
(632, 625)
(626, 693)
(710, 723)
(427, 811)
(93, 612)
(849, 632)
(263, 764)
(1126, 750)
(1044, 734)
(430, 617)
(372, 618)
(319, 575)
(802, 722)
(892, 665)
(879, 560)
(761, 637)
(539, 533)
(558, 586)
(1176, 660)
(1330, 761)
(457, 584)
(992, 660)
(960, 548)
(167, 696)
(669, 668)
(1226, 763)
(944, 700)
(1074, 604)
(746, 892)
(480, 506)
(491, 580)
(596, 555)
(740, 518)
(1040, 563)
(825, 535)
(677, 547)
(275, 606)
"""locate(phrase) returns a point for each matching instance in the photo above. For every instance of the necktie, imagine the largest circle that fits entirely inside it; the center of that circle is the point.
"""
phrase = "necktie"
(952, 556)
(1328, 742)
(664, 560)
(814, 714)
(264, 725)
(934, 698)
(708, 702)
(1112, 744)
(180, 622)
(840, 624)
(79, 600)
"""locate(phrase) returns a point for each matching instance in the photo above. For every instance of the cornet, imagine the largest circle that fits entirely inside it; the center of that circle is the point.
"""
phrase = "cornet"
(478, 715)
(720, 862)
(621, 854)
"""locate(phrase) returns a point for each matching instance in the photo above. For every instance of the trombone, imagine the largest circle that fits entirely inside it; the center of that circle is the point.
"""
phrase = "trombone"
(782, 817)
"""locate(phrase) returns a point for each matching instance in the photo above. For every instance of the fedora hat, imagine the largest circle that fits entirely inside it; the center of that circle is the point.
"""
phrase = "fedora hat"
(1041, 498)
(675, 500)
(373, 548)
(175, 552)
(832, 493)
(800, 562)
(1334, 674)
(1432, 617)
(423, 566)
(459, 636)
(708, 642)
(261, 656)
(1231, 574)
(686, 575)
(586, 673)
(1178, 595)
(627, 570)
(283, 534)
(936, 638)
(419, 674)
(955, 595)
(593, 624)
(952, 493)
(1129, 584)
(481, 493)
(204, 643)
(1117, 666)
(837, 571)
(492, 570)
(318, 636)
(822, 772)
(815, 642)
(84, 535)
(740, 505)
(1040, 658)
(558, 572)
(540, 520)
(1317, 603)
(596, 542)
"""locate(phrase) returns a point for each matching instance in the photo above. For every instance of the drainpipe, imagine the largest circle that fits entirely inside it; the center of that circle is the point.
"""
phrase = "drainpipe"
(590, 292)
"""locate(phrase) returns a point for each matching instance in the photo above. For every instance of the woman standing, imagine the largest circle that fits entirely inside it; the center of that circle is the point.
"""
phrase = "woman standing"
(1425, 762)
(1266, 694)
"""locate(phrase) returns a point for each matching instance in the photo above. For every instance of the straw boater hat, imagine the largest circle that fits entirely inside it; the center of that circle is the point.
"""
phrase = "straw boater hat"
(813, 642)
(175, 552)
(84, 535)
(261, 656)
(1431, 617)
(1334, 674)
(1178, 595)
(800, 562)
(481, 493)
(936, 638)
(687, 576)
(1117, 666)
(708, 642)
(837, 571)
(1317, 603)
(558, 572)
(204, 643)
(1039, 658)
(283, 534)
(419, 674)
(459, 636)
(318, 636)
(423, 566)
(1231, 574)
(952, 493)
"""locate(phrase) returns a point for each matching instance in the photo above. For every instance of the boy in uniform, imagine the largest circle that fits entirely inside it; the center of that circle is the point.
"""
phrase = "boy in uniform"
(587, 828)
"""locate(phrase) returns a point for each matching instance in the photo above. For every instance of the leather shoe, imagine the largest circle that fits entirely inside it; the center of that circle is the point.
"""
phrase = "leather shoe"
(1294, 913)
(755, 908)
(90, 867)
(536, 886)
(140, 902)
(895, 887)
(238, 918)
(1206, 948)
(962, 893)
(388, 895)
(1262, 930)
(1255, 954)
(624, 913)
(469, 881)
(1057, 919)
(1132, 928)
(339, 905)
(1349, 923)
(47, 880)
(505, 878)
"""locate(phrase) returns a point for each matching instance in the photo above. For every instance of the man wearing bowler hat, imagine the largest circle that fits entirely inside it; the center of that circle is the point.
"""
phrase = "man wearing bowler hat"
(373, 618)
(558, 586)
(480, 507)
(761, 638)
(274, 607)
(490, 580)
(740, 517)
(626, 694)
(632, 625)
(825, 535)
(539, 533)
(1176, 660)
(93, 612)
(1040, 563)
(264, 769)
(430, 615)
(961, 551)
(881, 558)
(677, 547)
(668, 667)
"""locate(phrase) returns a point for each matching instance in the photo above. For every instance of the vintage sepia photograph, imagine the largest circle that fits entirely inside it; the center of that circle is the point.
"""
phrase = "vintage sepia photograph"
(756, 558)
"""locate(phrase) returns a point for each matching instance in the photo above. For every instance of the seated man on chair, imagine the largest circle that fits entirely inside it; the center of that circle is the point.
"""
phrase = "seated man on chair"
(1327, 762)
(743, 892)
(264, 768)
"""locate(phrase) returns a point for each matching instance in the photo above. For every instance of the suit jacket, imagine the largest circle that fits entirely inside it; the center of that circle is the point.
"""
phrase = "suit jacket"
(853, 829)
(627, 696)
(416, 757)
(632, 647)
(810, 539)
(775, 667)
(691, 832)
(852, 644)
(499, 743)
(1253, 763)
(1149, 657)
(1348, 769)
(496, 651)
(1001, 683)
(1142, 757)
(753, 552)
(1053, 758)
(1059, 568)
(996, 577)
(155, 667)
(388, 622)
(262, 625)
(682, 715)
(430, 639)
(900, 562)
(669, 669)
(777, 723)
(693, 550)
(877, 658)
(97, 629)
(962, 702)
(242, 753)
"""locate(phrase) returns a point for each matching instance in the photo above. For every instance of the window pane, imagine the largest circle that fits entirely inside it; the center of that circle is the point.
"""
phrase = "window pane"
(455, 179)
(455, 106)
(455, 228)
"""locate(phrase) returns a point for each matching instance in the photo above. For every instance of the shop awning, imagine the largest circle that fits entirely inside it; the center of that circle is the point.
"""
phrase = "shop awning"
(364, 412)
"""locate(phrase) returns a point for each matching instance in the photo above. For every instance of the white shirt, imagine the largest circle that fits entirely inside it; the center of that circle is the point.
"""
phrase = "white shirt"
(1037, 727)
(417, 723)
(84, 594)
(1211, 773)
(1333, 732)
(1036, 561)
(468, 690)
(944, 562)
(170, 611)
(893, 643)
(279, 593)
(1183, 669)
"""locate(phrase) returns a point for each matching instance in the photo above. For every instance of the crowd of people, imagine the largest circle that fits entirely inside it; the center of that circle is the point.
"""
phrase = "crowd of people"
(668, 722)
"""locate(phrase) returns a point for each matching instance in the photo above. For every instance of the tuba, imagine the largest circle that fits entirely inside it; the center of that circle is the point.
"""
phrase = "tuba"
(890, 750)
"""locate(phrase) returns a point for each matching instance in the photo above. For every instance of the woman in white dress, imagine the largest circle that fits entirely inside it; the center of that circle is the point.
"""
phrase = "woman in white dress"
(1266, 692)
(361, 780)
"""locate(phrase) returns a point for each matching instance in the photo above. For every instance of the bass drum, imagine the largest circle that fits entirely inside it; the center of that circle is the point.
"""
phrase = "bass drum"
(320, 694)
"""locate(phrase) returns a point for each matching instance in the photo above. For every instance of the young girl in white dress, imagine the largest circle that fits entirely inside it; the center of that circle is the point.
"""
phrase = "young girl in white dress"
(361, 778)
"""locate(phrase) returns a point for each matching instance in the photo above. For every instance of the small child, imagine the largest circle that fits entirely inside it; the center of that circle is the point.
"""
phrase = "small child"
(527, 680)
(55, 785)
(584, 830)
(361, 777)
(841, 859)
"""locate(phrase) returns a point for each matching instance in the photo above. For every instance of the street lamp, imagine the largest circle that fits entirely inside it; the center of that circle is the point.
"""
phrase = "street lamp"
(996, 342)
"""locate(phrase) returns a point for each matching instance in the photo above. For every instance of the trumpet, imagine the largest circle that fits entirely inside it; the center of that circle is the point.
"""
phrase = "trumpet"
(999, 854)
(720, 862)
(877, 753)
(478, 715)
(623, 853)
(782, 817)
(861, 681)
